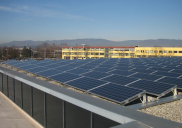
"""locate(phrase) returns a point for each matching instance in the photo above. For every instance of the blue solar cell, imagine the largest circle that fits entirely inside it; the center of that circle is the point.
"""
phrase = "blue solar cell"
(121, 72)
(85, 83)
(64, 68)
(64, 77)
(176, 71)
(26, 67)
(146, 76)
(37, 69)
(102, 69)
(53, 66)
(167, 74)
(122, 68)
(87, 67)
(151, 87)
(48, 73)
(116, 92)
(171, 80)
(96, 75)
(78, 71)
(142, 70)
(119, 79)
(160, 69)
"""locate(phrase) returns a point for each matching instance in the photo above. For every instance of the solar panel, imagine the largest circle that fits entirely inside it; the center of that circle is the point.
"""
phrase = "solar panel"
(102, 69)
(142, 70)
(85, 83)
(171, 80)
(37, 69)
(121, 72)
(26, 67)
(52, 66)
(160, 69)
(78, 71)
(64, 77)
(146, 76)
(119, 79)
(151, 87)
(87, 67)
(48, 73)
(64, 68)
(96, 75)
(167, 74)
(116, 92)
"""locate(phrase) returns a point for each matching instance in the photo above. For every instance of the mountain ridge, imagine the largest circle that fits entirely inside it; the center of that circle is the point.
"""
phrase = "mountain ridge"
(100, 42)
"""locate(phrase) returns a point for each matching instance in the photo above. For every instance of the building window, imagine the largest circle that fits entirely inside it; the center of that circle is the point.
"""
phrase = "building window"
(80, 49)
(142, 51)
(165, 51)
(170, 52)
(93, 49)
(146, 51)
(132, 54)
(79, 53)
(111, 49)
(111, 54)
(116, 54)
(180, 51)
(132, 49)
(156, 51)
(126, 54)
(101, 53)
(92, 53)
(126, 49)
(138, 51)
(97, 49)
(88, 49)
(64, 53)
(101, 49)
(151, 51)
(175, 52)
(88, 53)
(121, 54)
(160, 51)
(96, 53)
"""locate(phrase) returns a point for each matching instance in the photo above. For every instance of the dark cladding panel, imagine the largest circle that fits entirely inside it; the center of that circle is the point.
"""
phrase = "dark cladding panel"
(18, 93)
(1, 82)
(5, 84)
(27, 98)
(77, 117)
(11, 88)
(102, 122)
(38, 105)
(54, 112)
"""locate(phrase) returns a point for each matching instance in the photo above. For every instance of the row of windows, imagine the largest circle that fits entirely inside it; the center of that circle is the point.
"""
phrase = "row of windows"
(81, 53)
(100, 49)
(121, 54)
(88, 49)
(157, 51)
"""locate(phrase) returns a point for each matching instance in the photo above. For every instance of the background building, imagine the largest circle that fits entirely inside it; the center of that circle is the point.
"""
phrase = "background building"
(118, 52)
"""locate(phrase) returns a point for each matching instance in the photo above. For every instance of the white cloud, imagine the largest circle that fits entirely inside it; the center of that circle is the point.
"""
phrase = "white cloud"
(41, 12)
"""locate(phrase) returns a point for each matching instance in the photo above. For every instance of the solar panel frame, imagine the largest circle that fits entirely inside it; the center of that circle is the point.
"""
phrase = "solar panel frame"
(85, 83)
(112, 92)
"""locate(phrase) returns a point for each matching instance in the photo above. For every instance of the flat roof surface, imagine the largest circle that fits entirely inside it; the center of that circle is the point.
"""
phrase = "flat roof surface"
(10, 117)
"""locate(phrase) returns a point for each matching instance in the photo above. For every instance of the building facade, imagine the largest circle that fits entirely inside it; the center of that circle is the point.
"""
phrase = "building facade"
(118, 52)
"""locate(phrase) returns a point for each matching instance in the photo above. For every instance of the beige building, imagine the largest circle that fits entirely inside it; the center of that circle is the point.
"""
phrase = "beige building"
(118, 52)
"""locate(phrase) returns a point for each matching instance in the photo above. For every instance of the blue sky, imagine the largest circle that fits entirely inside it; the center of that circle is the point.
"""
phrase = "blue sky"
(41, 20)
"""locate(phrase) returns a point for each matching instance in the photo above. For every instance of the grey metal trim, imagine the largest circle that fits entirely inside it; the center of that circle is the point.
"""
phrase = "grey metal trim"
(133, 124)
(106, 109)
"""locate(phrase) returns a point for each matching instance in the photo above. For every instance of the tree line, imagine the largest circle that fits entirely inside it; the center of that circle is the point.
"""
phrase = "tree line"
(13, 52)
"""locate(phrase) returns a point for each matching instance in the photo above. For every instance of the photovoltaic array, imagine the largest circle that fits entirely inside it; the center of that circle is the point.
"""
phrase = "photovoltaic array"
(118, 80)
